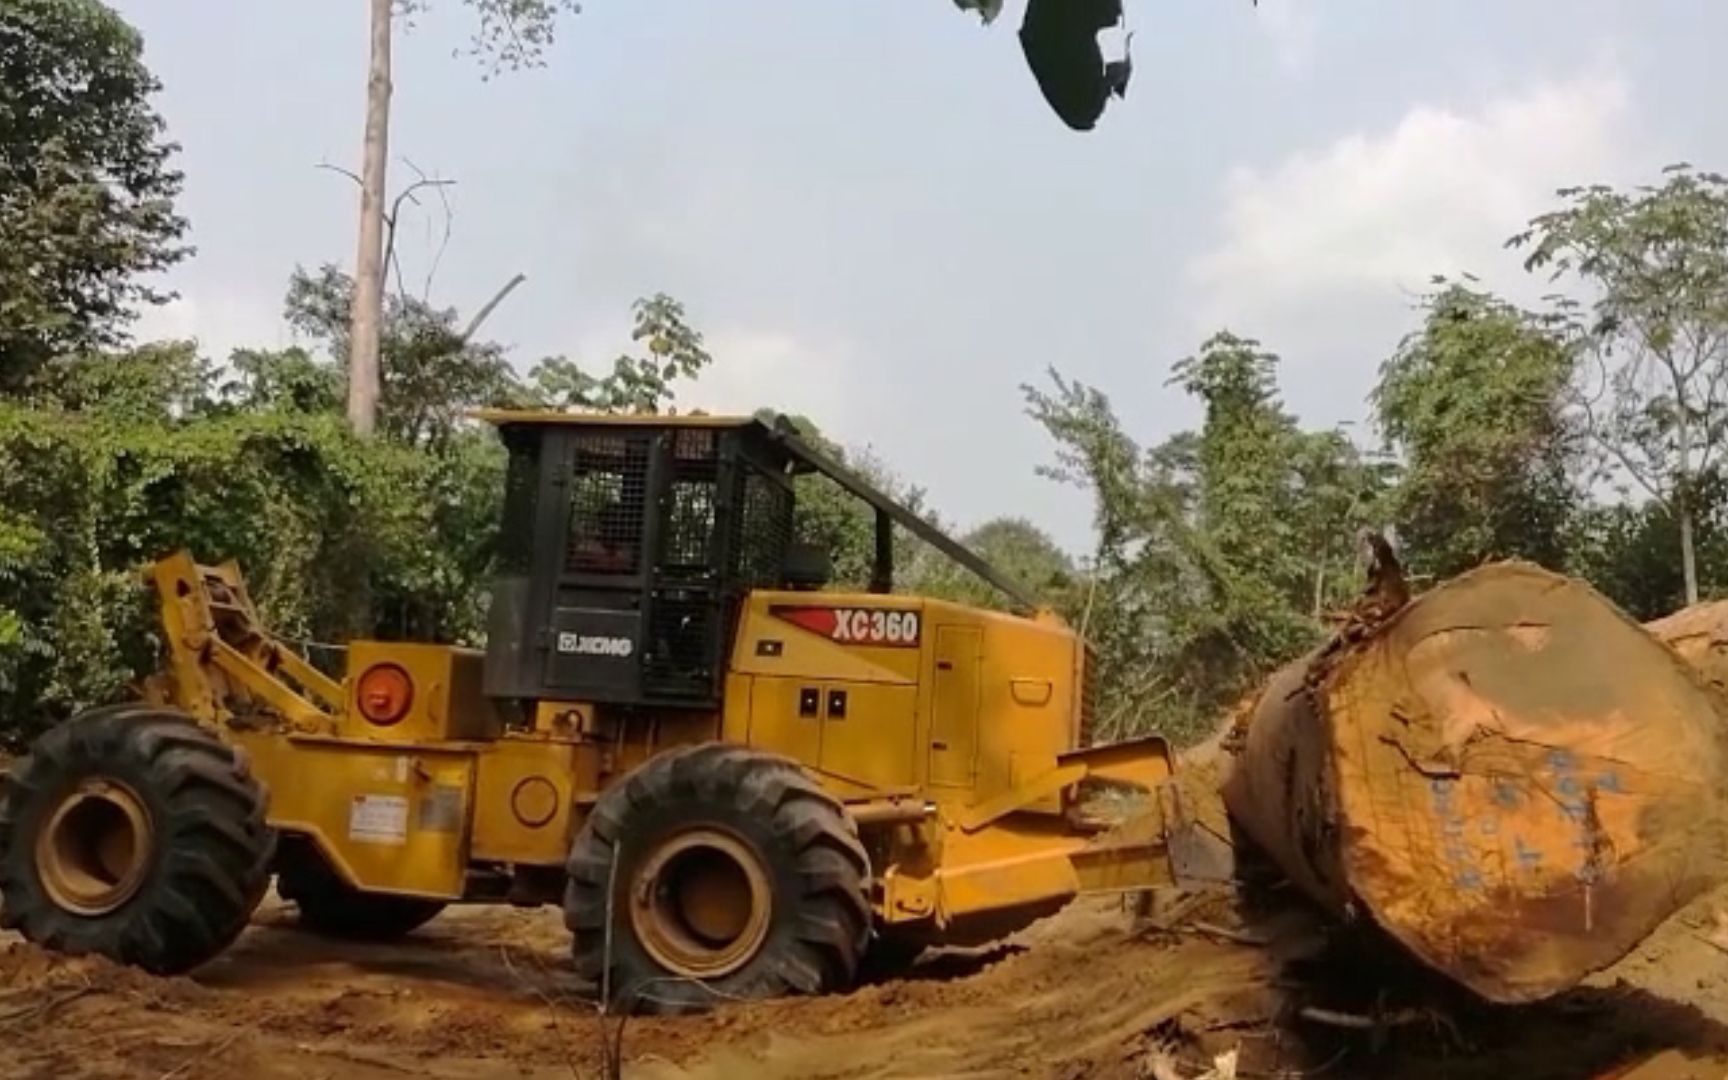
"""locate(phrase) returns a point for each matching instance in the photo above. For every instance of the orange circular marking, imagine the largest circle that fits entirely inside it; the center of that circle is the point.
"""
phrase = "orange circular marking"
(384, 693)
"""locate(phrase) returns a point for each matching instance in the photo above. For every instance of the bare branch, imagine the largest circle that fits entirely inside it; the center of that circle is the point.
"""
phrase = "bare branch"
(394, 216)
(492, 304)
(340, 171)
(444, 240)
(1594, 428)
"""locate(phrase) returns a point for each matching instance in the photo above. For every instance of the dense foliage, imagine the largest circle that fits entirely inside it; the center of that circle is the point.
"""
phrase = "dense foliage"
(1219, 551)
(111, 459)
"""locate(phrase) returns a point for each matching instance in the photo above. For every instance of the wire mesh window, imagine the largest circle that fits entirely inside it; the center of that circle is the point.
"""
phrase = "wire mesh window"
(608, 501)
(688, 539)
(765, 529)
(681, 640)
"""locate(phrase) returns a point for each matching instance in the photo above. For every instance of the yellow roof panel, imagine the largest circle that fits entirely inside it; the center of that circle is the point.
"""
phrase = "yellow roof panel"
(554, 416)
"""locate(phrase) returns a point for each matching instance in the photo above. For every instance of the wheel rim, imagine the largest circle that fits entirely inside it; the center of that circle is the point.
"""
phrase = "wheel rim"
(701, 903)
(93, 854)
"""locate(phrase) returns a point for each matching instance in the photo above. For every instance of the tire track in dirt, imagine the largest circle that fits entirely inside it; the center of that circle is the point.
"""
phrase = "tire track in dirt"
(485, 992)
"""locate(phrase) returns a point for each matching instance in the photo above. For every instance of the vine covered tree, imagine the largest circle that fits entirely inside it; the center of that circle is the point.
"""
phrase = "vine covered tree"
(1476, 405)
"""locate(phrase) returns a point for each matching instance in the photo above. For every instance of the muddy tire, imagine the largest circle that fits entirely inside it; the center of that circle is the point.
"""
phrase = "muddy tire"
(132, 833)
(330, 906)
(727, 874)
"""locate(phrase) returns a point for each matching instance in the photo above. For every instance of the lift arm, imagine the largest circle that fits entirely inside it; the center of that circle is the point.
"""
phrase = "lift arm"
(221, 655)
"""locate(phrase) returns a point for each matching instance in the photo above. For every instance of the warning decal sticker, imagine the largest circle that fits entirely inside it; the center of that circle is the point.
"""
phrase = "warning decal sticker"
(378, 819)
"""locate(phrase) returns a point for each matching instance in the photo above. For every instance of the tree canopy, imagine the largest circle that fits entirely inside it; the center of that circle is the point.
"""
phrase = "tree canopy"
(87, 185)
(1654, 336)
(1475, 405)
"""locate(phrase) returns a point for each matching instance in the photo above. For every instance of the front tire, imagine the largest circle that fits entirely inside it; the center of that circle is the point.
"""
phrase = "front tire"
(726, 873)
(132, 833)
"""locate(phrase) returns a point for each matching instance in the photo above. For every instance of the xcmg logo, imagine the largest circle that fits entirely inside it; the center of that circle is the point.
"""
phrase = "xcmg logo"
(595, 645)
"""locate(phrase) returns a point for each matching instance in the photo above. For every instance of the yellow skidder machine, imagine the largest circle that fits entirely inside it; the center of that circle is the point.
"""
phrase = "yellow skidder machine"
(736, 783)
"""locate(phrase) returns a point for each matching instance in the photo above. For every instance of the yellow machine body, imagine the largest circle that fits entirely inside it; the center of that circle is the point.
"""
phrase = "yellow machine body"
(949, 733)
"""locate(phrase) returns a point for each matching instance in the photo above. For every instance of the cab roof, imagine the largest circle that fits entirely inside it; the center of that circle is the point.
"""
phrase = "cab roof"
(535, 417)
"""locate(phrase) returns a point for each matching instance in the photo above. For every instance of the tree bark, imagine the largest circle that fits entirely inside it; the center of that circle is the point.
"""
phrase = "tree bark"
(368, 306)
(1688, 558)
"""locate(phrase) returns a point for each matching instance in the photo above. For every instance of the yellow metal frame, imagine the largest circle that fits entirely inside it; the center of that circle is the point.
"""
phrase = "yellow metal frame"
(406, 807)
(193, 599)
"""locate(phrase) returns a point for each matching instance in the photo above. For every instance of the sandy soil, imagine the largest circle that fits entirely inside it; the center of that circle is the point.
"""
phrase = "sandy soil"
(482, 993)
(1092, 992)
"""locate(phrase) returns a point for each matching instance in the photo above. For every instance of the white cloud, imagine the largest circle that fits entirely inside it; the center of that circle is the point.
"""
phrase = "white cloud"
(1321, 253)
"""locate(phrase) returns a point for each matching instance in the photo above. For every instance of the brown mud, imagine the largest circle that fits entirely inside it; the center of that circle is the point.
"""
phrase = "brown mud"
(484, 993)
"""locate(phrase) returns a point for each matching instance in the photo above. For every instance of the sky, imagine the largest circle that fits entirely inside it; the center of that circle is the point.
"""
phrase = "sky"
(875, 220)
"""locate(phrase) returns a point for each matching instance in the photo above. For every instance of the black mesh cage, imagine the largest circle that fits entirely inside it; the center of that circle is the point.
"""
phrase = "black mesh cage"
(608, 504)
(681, 656)
(764, 529)
(649, 536)
(687, 539)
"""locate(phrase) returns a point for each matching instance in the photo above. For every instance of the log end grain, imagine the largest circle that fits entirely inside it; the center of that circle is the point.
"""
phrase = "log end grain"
(1510, 776)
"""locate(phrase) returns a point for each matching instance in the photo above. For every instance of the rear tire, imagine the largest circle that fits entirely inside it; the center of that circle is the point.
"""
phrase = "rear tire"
(332, 907)
(132, 833)
(732, 875)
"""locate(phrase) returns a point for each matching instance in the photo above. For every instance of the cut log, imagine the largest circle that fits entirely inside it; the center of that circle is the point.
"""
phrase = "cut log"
(1508, 775)
(1700, 635)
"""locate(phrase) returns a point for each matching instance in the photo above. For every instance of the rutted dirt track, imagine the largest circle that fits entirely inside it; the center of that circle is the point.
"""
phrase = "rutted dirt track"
(482, 993)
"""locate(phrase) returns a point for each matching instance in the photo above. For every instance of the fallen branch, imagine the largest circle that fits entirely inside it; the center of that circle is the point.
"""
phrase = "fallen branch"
(35, 1012)
(214, 1051)
(551, 1010)
(1227, 934)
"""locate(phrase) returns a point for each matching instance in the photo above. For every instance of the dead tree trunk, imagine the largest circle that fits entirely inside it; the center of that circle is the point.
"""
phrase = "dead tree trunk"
(1508, 775)
(368, 303)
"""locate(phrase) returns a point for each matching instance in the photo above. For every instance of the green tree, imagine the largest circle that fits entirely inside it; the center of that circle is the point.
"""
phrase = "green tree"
(433, 368)
(160, 381)
(283, 380)
(1217, 551)
(1475, 404)
(640, 384)
(1654, 337)
(86, 187)
(843, 526)
(1014, 546)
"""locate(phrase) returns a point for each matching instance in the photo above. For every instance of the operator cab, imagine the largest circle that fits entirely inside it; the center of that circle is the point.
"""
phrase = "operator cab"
(629, 544)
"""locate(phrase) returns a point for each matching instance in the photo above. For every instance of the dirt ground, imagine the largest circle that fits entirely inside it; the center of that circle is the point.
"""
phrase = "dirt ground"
(482, 993)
